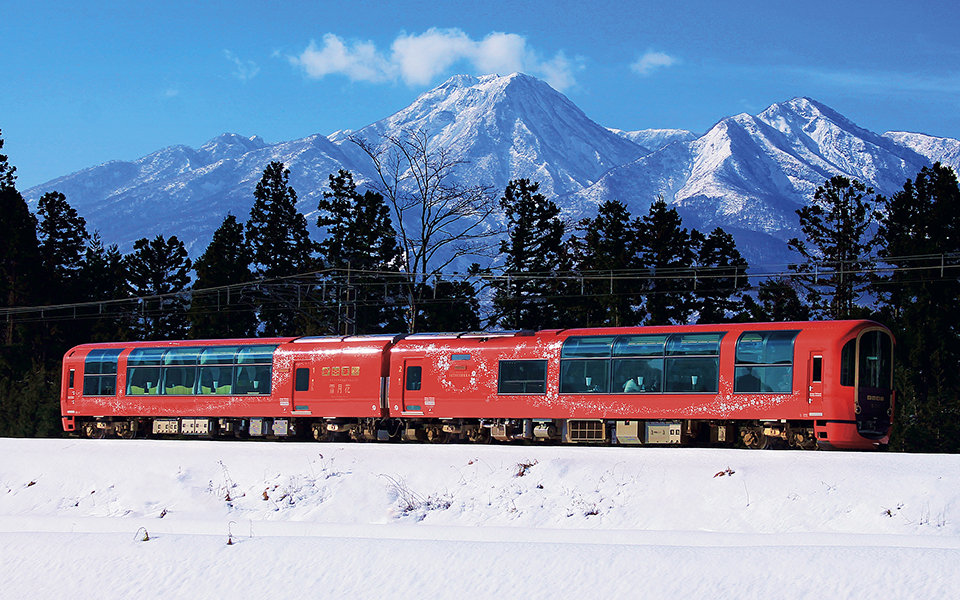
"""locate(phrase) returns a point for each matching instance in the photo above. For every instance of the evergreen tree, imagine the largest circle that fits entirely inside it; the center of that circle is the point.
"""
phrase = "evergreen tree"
(104, 278)
(217, 311)
(528, 294)
(721, 278)
(281, 247)
(62, 236)
(8, 177)
(158, 271)
(606, 254)
(777, 300)
(19, 252)
(667, 252)
(450, 306)
(361, 250)
(920, 229)
(837, 226)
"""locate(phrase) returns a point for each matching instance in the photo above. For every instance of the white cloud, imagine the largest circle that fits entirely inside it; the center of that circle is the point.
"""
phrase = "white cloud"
(651, 61)
(245, 69)
(419, 59)
(359, 61)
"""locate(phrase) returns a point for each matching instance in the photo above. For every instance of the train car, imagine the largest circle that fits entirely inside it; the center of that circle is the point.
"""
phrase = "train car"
(256, 387)
(806, 384)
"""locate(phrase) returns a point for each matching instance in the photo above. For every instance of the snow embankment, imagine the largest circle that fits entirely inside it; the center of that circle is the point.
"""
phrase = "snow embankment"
(420, 521)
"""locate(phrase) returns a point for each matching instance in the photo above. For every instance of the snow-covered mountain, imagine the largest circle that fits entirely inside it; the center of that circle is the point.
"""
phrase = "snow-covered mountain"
(654, 139)
(747, 174)
(508, 127)
(936, 149)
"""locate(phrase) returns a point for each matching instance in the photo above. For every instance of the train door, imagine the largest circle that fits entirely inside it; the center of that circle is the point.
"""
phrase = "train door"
(302, 386)
(815, 383)
(413, 385)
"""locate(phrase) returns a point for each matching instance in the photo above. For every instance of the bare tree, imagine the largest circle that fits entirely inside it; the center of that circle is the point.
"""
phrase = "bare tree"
(438, 220)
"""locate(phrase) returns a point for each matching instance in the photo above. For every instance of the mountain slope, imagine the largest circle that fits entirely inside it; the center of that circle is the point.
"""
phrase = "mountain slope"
(747, 173)
(936, 149)
(503, 128)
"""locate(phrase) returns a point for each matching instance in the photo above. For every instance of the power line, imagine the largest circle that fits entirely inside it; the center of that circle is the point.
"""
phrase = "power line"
(332, 283)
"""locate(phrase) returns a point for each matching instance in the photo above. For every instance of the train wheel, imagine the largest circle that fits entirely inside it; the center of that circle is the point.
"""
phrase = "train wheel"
(753, 438)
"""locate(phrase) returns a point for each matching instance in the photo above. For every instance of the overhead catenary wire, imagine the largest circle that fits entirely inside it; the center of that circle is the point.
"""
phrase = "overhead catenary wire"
(945, 266)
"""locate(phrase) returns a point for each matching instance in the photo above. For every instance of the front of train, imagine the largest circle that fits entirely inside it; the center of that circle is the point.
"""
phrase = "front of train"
(860, 414)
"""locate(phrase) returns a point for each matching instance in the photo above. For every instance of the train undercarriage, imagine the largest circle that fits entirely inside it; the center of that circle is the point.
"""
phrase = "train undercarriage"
(749, 434)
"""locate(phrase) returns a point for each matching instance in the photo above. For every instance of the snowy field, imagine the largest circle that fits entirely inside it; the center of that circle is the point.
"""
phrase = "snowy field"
(458, 521)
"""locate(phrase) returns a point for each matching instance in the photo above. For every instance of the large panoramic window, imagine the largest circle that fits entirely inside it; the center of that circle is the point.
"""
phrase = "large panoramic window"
(640, 364)
(764, 362)
(692, 363)
(100, 372)
(210, 370)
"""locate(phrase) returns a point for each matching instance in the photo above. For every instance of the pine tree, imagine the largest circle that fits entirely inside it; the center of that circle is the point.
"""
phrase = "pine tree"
(360, 248)
(158, 271)
(666, 252)
(920, 229)
(777, 300)
(104, 278)
(838, 247)
(281, 247)
(62, 236)
(721, 278)
(19, 252)
(528, 293)
(607, 255)
(450, 306)
(217, 310)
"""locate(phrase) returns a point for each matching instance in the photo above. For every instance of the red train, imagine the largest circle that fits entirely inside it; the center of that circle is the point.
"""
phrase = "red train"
(803, 384)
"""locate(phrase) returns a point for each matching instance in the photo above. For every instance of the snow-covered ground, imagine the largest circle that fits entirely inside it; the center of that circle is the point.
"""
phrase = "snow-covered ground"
(460, 521)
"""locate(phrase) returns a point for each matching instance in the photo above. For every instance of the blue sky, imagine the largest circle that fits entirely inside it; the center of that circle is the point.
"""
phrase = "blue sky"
(87, 82)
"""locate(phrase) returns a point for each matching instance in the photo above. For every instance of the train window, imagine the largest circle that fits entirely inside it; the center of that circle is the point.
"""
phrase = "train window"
(143, 380)
(593, 346)
(817, 375)
(584, 376)
(216, 380)
(254, 379)
(522, 377)
(848, 362)
(637, 375)
(216, 375)
(639, 345)
(697, 374)
(219, 355)
(764, 362)
(146, 356)
(766, 347)
(179, 381)
(692, 363)
(694, 344)
(181, 356)
(255, 354)
(414, 378)
(302, 383)
(100, 372)
(875, 360)
(72, 372)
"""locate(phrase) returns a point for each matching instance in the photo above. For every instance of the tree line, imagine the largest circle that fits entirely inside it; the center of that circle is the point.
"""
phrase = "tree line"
(385, 258)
